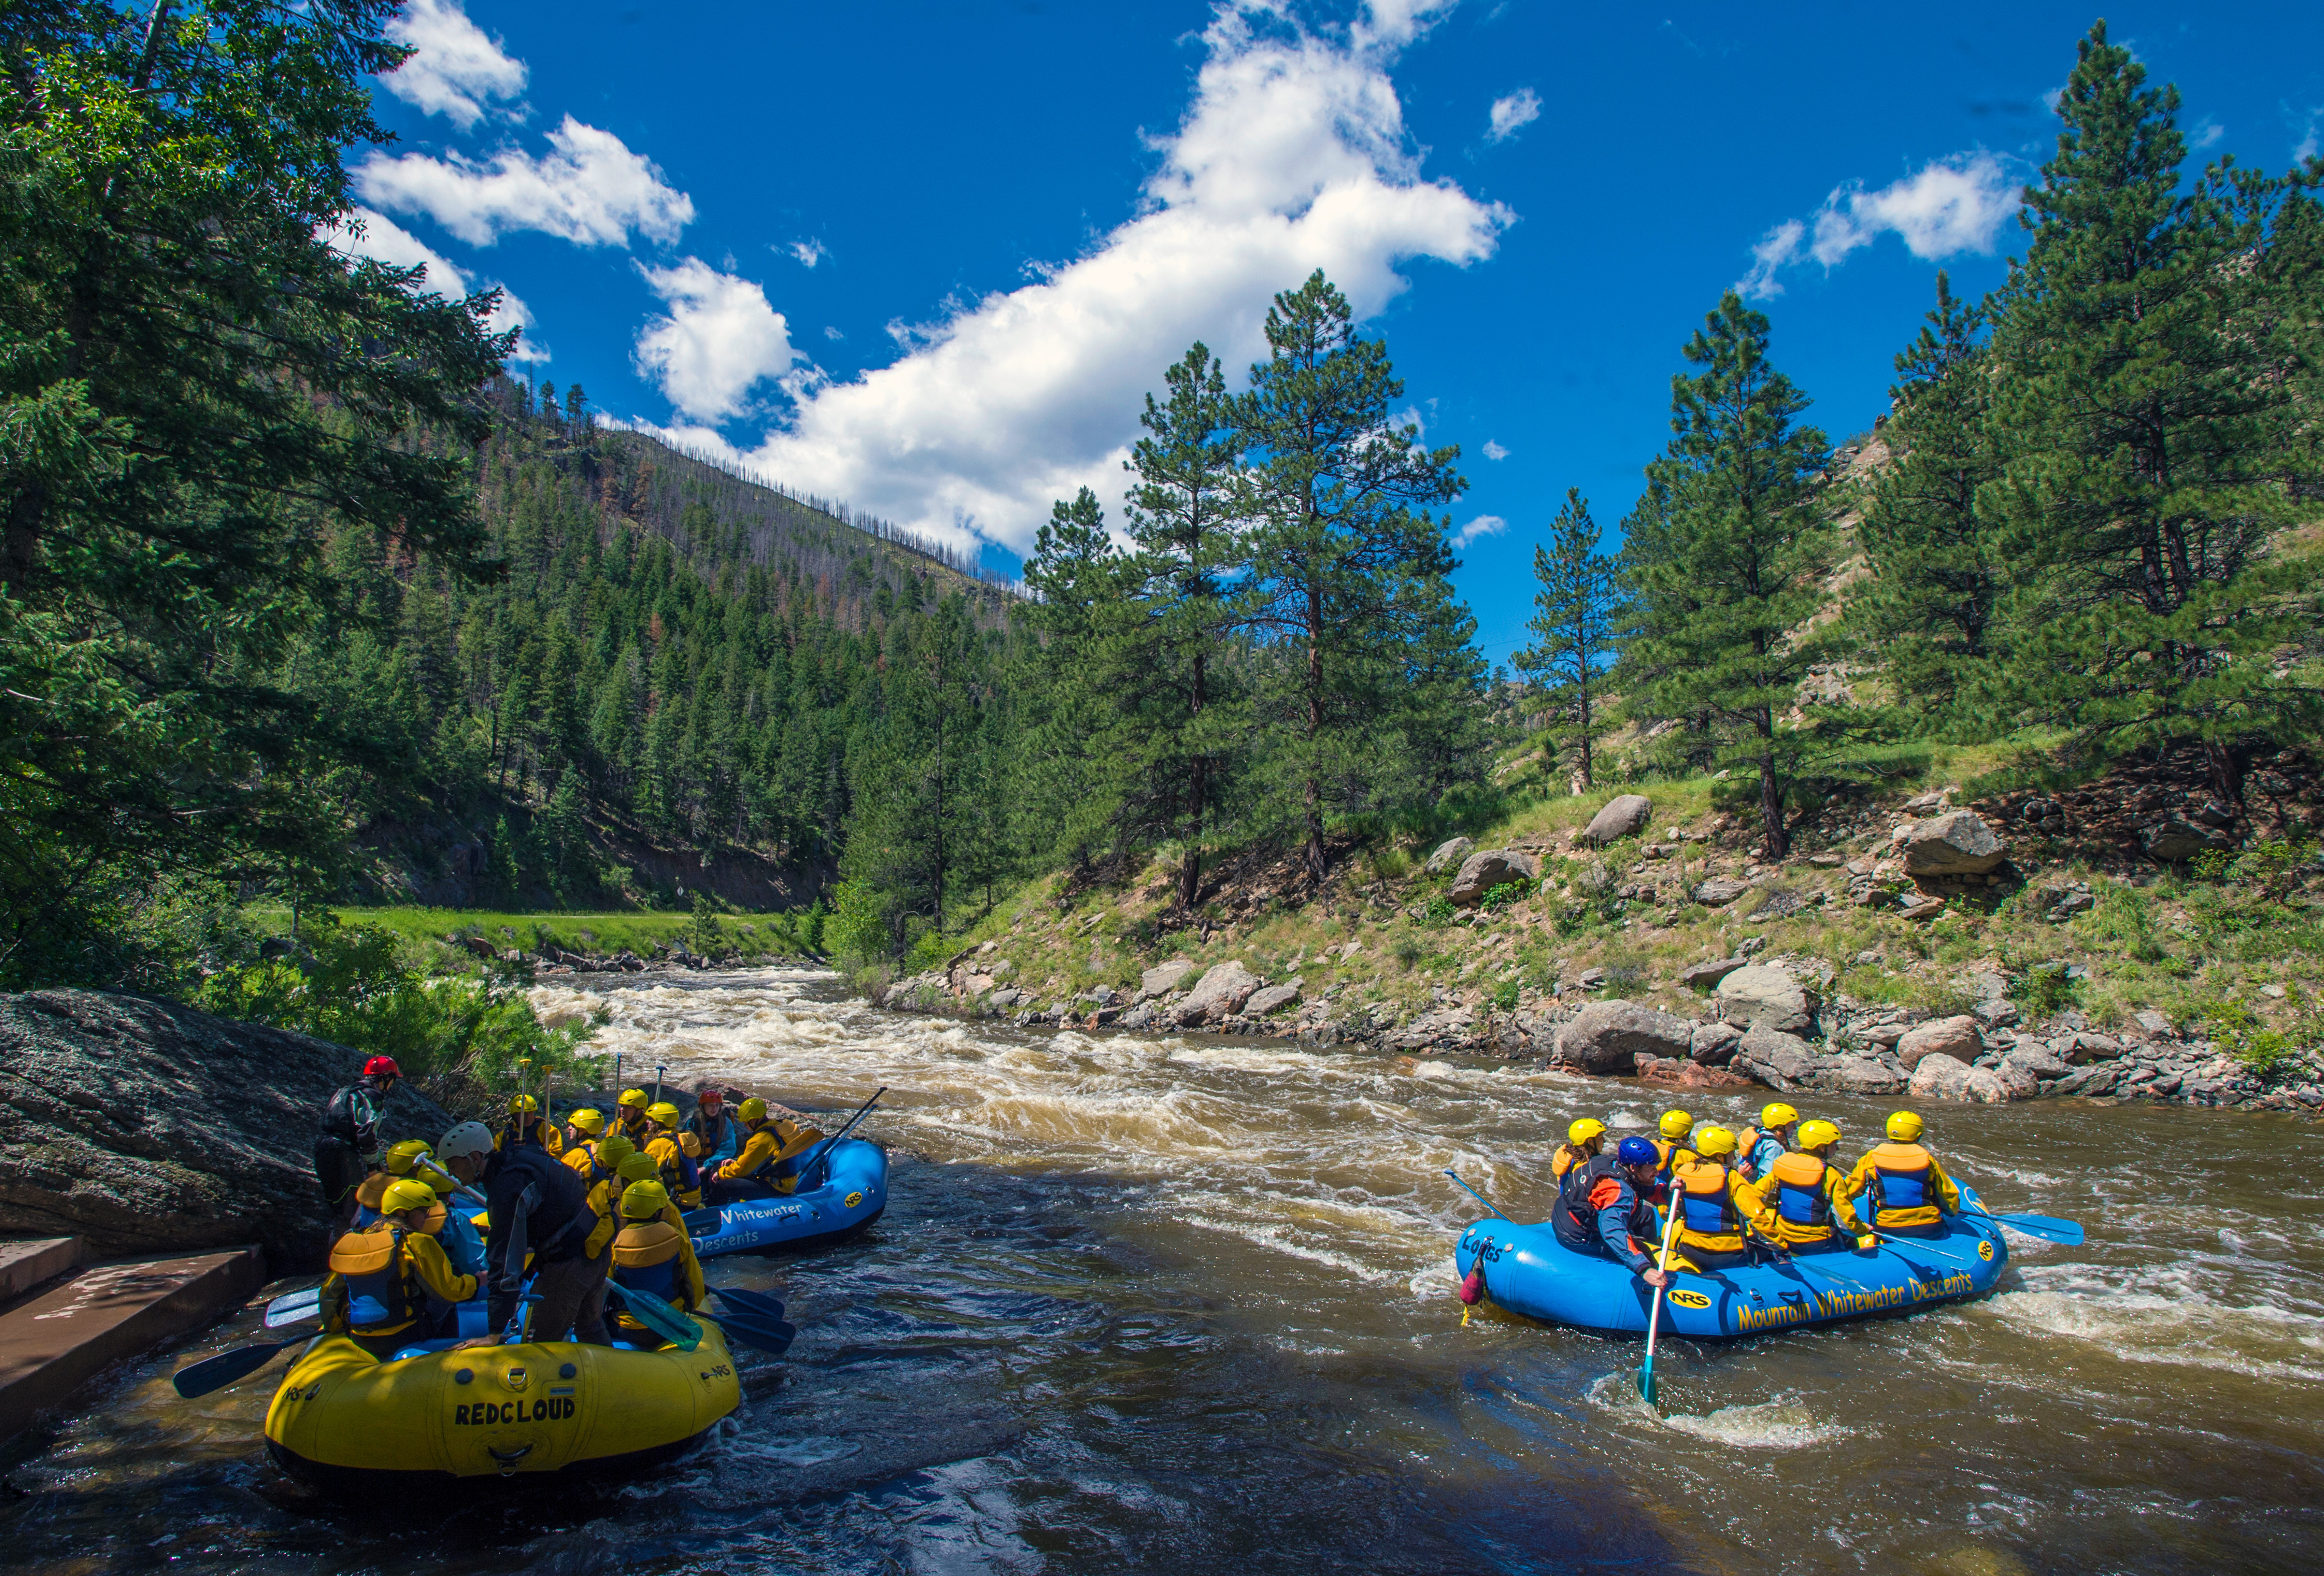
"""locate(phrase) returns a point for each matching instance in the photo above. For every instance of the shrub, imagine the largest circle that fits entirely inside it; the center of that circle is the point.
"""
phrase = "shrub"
(856, 932)
(1408, 950)
(1504, 996)
(1508, 892)
(2047, 990)
(1439, 912)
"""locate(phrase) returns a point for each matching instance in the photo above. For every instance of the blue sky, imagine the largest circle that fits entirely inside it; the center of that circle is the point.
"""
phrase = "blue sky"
(928, 258)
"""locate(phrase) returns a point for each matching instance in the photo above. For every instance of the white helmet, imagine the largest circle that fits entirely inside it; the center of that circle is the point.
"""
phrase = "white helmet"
(472, 1141)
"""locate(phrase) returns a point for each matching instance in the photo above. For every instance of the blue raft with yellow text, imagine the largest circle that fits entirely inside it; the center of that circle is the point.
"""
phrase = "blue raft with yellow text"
(844, 1194)
(1528, 1271)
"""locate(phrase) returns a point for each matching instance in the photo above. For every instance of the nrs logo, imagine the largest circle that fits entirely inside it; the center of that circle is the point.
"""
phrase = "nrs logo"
(1689, 1299)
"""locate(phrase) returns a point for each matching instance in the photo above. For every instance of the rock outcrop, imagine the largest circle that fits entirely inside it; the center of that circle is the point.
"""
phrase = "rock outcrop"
(1956, 843)
(1495, 867)
(1624, 816)
(1611, 1036)
(145, 1127)
(1220, 993)
(1449, 854)
(1718, 891)
(1947, 1036)
(1767, 996)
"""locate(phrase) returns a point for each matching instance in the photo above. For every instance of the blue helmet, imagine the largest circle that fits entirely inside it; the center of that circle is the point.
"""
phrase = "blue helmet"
(1637, 1151)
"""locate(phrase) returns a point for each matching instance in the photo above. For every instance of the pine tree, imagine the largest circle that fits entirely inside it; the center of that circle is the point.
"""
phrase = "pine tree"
(1185, 517)
(1068, 780)
(1576, 619)
(1343, 551)
(1940, 568)
(2157, 349)
(1731, 576)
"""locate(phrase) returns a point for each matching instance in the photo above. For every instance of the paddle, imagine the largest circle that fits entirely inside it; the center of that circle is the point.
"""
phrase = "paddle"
(756, 1304)
(218, 1372)
(1480, 1197)
(295, 1308)
(1655, 1318)
(773, 1339)
(2049, 1228)
(657, 1315)
(817, 1155)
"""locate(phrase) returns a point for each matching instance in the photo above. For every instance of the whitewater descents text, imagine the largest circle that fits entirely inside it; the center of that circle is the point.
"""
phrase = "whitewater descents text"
(1841, 1305)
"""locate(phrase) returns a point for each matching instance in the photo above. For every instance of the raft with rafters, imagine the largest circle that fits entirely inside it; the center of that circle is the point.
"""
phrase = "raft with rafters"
(851, 1194)
(1528, 1272)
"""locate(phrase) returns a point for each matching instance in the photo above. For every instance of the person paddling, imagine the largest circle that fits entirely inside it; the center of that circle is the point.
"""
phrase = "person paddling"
(583, 1127)
(769, 1161)
(1584, 1139)
(675, 1150)
(1808, 1197)
(1911, 1194)
(629, 1111)
(1670, 1147)
(1605, 1211)
(349, 1136)
(1757, 1150)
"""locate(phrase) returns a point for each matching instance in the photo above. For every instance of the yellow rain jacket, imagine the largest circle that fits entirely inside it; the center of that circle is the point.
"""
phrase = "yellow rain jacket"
(1713, 1204)
(1805, 1199)
(396, 1268)
(665, 1149)
(658, 1257)
(771, 1144)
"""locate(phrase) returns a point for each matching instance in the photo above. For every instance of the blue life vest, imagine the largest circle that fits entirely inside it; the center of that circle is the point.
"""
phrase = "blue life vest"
(1798, 1200)
(658, 1280)
(379, 1285)
(1901, 1190)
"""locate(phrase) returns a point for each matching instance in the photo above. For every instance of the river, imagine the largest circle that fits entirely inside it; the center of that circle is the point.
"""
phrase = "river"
(1142, 1304)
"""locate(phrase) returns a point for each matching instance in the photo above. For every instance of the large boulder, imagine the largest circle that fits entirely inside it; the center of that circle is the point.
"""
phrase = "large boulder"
(1609, 1036)
(1713, 1043)
(1943, 1077)
(1272, 998)
(1668, 1073)
(1870, 1076)
(1767, 996)
(1702, 976)
(1219, 993)
(145, 1127)
(1449, 854)
(1946, 1036)
(1495, 867)
(2174, 840)
(1718, 891)
(1956, 843)
(1624, 816)
(1163, 978)
(1778, 1060)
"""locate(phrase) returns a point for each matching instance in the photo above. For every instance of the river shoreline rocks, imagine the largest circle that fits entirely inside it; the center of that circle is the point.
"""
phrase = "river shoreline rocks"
(1765, 1021)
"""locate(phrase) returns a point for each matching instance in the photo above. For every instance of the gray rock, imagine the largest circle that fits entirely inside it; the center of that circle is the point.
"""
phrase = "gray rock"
(1444, 1025)
(2086, 1046)
(2153, 1023)
(1948, 1036)
(1609, 1037)
(2175, 840)
(1163, 978)
(1273, 999)
(1624, 816)
(1767, 996)
(1956, 843)
(1719, 891)
(2093, 1081)
(1219, 993)
(1495, 867)
(146, 1128)
(1703, 976)
(1869, 1076)
(1713, 1043)
(1449, 856)
(2036, 1060)
(2000, 1014)
(1139, 1016)
(1779, 1061)
(1938, 1076)
(1984, 1087)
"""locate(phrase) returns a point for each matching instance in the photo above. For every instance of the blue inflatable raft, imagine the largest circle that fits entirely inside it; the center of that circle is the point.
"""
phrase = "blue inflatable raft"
(1528, 1271)
(851, 1194)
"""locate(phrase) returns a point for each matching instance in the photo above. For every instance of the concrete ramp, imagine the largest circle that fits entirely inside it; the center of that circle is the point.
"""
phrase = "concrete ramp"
(57, 1339)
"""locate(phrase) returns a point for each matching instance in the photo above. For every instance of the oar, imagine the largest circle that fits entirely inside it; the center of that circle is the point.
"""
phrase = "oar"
(2049, 1228)
(295, 1308)
(817, 1155)
(1480, 1197)
(773, 1339)
(754, 1305)
(657, 1315)
(218, 1372)
(1655, 1318)
(658, 1072)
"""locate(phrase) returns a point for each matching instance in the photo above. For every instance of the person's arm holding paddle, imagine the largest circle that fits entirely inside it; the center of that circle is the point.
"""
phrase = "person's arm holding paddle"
(1626, 1212)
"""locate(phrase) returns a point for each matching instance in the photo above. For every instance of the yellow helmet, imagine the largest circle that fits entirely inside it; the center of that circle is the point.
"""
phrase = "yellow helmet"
(635, 1099)
(1585, 1129)
(753, 1109)
(1903, 1126)
(1816, 1135)
(1778, 1115)
(522, 1105)
(401, 1157)
(1710, 1142)
(588, 1119)
(638, 1168)
(644, 1201)
(407, 1194)
(663, 1113)
(613, 1151)
(1675, 1124)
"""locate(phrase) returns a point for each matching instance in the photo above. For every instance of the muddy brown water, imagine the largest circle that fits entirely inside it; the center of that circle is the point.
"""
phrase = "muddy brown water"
(1143, 1304)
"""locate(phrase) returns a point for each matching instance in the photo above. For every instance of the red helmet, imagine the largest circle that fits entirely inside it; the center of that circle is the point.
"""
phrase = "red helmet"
(382, 1067)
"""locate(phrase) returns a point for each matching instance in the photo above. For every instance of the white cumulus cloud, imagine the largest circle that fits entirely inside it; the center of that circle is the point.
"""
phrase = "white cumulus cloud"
(457, 68)
(1291, 156)
(1484, 525)
(590, 189)
(1951, 206)
(719, 339)
(1494, 451)
(390, 243)
(1521, 108)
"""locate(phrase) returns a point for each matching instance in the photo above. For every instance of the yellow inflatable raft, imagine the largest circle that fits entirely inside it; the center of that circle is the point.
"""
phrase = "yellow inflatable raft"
(341, 1416)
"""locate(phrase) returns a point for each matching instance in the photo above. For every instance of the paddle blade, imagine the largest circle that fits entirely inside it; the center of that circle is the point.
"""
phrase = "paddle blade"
(218, 1372)
(657, 1316)
(755, 1305)
(295, 1308)
(1646, 1384)
(2049, 1228)
(772, 1337)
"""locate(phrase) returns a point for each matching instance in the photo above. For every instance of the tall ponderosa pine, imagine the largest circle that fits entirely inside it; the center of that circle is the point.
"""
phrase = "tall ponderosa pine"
(2158, 351)
(1068, 775)
(1575, 626)
(1344, 555)
(1186, 518)
(1940, 568)
(1740, 548)
(196, 390)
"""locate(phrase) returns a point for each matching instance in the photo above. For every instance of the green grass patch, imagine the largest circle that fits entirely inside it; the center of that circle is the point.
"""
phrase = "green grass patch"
(631, 931)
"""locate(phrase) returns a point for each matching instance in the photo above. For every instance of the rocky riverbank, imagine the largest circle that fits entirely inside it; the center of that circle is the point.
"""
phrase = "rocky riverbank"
(145, 1127)
(1462, 958)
